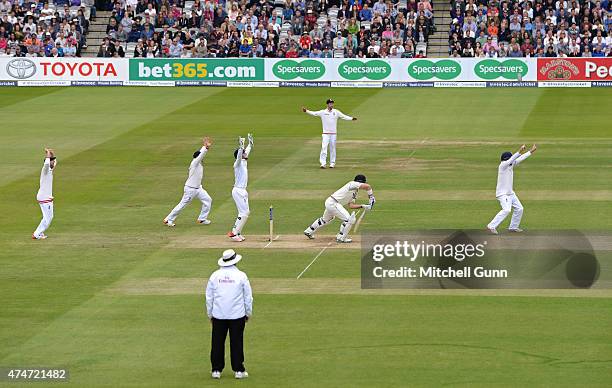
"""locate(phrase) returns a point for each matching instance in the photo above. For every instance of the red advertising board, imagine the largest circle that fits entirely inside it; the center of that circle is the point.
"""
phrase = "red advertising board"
(574, 69)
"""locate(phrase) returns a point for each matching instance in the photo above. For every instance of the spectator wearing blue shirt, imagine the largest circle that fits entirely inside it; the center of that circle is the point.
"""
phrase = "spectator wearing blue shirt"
(287, 13)
(365, 13)
(245, 48)
(59, 49)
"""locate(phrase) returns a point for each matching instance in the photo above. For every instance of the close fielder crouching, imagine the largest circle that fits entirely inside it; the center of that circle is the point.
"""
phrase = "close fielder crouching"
(334, 207)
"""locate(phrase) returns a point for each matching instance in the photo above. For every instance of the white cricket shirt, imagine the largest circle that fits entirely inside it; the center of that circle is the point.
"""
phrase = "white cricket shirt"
(329, 119)
(229, 294)
(45, 192)
(196, 170)
(241, 172)
(505, 174)
(347, 193)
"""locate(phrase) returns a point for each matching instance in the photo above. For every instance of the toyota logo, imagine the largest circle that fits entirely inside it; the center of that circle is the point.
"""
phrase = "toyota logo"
(21, 68)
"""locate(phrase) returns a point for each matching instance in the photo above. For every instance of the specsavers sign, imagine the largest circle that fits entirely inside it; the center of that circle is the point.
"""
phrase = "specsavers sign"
(400, 70)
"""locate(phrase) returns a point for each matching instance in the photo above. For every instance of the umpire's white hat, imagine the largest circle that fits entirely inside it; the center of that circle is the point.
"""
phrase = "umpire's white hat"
(230, 257)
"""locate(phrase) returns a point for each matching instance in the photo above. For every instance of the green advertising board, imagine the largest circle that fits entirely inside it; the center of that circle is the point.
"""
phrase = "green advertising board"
(289, 69)
(193, 69)
(490, 69)
(445, 69)
(373, 70)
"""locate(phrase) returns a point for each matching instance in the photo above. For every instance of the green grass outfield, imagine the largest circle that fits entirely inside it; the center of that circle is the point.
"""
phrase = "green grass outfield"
(117, 298)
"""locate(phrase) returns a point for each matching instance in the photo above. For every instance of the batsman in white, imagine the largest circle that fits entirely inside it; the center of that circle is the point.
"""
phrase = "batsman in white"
(334, 207)
(45, 194)
(193, 188)
(505, 193)
(329, 119)
(239, 193)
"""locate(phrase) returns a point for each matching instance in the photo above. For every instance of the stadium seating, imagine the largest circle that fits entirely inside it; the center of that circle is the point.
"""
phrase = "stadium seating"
(37, 28)
(550, 28)
(289, 28)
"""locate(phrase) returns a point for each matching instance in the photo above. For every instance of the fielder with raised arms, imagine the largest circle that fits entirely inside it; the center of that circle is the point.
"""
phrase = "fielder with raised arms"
(45, 194)
(239, 193)
(505, 193)
(329, 119)
(193, 188)
(334, 207)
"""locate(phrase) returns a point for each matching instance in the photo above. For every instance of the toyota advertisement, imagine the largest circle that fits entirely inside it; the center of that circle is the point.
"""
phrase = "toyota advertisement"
(337, 72)
(62, 71)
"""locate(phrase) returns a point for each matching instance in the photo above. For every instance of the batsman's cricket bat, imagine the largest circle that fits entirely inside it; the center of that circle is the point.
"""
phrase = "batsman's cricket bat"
(359, 221)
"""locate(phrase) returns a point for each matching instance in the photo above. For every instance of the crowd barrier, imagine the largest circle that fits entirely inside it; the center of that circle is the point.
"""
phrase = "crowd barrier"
(354, 73)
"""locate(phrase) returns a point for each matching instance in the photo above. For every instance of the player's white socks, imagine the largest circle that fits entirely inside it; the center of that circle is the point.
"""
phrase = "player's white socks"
(239, 224)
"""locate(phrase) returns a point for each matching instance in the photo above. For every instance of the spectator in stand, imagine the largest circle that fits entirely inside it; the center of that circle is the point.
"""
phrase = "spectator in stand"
(70, 49)
(366, 13)
(245, 48)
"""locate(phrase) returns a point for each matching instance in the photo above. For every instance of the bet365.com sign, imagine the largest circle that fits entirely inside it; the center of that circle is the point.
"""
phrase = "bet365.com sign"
(196, 69)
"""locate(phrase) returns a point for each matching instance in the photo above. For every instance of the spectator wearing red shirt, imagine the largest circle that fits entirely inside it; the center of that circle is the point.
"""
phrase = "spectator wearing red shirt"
(305, 41)
(292, 53)
(527, 48)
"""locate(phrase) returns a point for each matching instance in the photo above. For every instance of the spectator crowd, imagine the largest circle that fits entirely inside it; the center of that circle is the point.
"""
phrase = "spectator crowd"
(270, 28)
(530, 28)
(35, 28)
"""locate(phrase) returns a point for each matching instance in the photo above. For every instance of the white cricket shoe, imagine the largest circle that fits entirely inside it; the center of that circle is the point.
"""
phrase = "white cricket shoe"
(492, 230)
(309, 234)
(216, 374)
(169, 223)
(241, 375)
(516, 230)
(204, 222)
(41, 237)
(345, 240)
(332, 166)
(323, 166)
(237, 238)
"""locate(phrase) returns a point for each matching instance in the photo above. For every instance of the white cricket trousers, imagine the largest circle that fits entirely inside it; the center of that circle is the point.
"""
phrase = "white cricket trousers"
(328, 141)
(189, 194)
(332, 210)
(241, 198)
(508, 202)
(47, 217)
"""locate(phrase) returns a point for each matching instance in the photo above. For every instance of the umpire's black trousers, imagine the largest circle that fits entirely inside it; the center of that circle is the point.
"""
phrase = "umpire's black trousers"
(220, 327)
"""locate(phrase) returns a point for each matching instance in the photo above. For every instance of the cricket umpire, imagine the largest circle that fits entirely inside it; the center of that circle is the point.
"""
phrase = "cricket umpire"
(229, 304)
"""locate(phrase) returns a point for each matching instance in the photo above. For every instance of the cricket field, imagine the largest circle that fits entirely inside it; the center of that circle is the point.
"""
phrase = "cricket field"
(117, 298)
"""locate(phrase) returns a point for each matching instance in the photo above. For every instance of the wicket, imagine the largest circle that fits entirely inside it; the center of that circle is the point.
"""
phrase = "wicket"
(271, 222)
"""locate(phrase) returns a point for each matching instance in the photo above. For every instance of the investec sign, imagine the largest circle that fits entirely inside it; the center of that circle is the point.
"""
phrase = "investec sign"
(197, 69)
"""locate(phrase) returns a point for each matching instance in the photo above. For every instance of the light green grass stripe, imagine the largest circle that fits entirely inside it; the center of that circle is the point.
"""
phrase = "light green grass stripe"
(75, 120)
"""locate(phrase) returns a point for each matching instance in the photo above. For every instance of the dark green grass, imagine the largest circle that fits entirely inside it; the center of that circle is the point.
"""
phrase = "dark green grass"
(122, 169)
